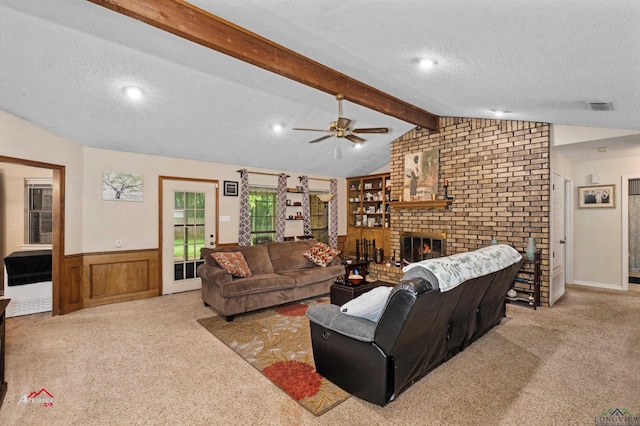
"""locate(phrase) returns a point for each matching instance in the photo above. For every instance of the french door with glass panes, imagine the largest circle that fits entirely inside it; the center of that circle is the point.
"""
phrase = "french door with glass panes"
(188, 224)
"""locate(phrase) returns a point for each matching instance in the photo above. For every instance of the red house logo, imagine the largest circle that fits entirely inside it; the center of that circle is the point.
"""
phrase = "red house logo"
(40, 397)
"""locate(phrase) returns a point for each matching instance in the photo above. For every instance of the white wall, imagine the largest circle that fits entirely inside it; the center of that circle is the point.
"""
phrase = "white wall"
(93, 225)
(20, 139)
(136, 223)
(563, 135)
(598, 232)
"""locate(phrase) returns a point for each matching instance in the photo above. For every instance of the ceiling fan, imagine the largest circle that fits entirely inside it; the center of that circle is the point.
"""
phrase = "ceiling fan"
(341, 128)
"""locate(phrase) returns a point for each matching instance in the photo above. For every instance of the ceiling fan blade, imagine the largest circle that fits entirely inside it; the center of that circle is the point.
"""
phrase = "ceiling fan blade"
(354, 138)
(320, 139)
(310, 130)
(343, 123)
(371, 130)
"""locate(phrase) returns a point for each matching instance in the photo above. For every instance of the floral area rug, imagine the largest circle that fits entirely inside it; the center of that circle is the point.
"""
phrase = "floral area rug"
(277, 342)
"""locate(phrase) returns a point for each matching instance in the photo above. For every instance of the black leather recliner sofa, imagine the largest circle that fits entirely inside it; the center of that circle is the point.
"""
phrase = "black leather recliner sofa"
(420, 328)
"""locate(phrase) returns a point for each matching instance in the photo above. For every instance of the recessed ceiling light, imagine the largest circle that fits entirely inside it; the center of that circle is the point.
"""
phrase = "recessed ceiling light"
(427, 62)
(499, 113)
(133, 92)
(603, 149)
(277, 127)
(358, 146)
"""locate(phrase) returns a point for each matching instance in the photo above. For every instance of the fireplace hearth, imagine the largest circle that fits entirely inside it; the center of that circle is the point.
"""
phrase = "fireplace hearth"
(417, 246)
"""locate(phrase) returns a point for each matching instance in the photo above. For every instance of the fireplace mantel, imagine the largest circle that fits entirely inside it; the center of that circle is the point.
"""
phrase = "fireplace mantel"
(427, 204)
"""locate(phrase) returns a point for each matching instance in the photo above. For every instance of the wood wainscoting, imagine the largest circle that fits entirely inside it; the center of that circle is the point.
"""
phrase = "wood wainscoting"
(94, 279)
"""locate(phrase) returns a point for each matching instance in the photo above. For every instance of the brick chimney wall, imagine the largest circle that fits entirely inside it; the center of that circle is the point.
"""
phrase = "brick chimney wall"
(499, 178)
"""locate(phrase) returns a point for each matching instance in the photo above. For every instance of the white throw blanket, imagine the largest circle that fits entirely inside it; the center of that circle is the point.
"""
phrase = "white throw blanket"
(453, 270)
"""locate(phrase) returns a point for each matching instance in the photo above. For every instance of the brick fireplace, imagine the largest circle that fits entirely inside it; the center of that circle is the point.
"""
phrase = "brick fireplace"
(499, 178)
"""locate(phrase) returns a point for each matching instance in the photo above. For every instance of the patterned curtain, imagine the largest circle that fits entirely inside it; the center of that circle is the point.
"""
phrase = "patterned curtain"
(333, 213)
(244, 234)
(306, 211)
(281, 215)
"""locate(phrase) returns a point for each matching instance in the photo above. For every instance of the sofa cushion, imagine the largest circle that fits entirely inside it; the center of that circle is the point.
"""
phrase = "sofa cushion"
(233, 262)
(368, 305)
(258, 283)
(308, 276)
(287, 255)
(321, 254)
(257, 257)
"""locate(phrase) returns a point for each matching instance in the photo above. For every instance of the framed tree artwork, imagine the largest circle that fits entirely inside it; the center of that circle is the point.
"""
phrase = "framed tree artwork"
(121, 186)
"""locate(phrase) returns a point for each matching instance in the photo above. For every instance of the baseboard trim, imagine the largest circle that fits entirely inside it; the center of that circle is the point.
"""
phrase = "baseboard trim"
(598, 285)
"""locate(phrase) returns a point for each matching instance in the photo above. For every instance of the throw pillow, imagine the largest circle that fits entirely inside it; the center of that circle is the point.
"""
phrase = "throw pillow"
(321, 254)
(368, 305)
(233, 262)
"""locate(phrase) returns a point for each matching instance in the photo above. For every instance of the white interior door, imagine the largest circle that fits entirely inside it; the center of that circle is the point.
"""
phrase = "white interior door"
(558, 238)
(188, 224)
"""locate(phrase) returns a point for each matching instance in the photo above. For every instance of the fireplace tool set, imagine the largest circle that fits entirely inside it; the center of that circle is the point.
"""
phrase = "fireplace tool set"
(366, 251)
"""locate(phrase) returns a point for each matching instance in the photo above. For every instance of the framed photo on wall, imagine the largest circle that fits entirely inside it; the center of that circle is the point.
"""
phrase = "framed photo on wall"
(594, 197)
(230, 188)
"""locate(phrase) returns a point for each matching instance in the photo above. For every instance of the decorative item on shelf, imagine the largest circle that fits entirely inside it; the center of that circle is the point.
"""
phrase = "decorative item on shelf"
(512, 293)
(531, 249)
(494, 242)
(445, 185)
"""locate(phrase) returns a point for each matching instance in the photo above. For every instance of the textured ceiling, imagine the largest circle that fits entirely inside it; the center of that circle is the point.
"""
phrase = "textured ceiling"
(63, 65)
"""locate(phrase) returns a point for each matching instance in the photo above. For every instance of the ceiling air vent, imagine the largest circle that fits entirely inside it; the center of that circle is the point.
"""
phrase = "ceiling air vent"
(601, 106)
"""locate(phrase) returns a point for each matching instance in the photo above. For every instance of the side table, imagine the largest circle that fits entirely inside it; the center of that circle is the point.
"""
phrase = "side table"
(342, 293)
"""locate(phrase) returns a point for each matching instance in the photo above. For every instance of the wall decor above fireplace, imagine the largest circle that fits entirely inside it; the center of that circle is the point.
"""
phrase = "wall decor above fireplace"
(421, 176)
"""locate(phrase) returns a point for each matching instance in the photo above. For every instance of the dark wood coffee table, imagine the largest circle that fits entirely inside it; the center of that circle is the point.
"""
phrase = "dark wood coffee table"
(342, 293)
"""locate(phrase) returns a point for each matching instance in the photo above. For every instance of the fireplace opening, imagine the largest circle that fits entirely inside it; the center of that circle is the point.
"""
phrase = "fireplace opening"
(416, 246)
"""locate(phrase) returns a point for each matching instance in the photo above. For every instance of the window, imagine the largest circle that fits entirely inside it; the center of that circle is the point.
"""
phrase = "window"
(263, 207)
(39, 220)
(317, 216)
(263, 204)
(188, 233)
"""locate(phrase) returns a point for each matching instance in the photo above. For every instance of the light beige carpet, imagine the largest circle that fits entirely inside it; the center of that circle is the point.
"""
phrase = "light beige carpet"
(150, 362)
(277, 342)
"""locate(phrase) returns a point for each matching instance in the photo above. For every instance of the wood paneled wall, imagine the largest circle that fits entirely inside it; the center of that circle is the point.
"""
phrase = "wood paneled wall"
(94, 279)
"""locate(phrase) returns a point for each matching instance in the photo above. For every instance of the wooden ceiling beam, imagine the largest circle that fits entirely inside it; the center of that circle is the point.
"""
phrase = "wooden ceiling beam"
(189, 22)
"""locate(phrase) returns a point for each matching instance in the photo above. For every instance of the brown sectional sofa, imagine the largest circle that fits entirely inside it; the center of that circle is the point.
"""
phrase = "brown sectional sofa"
(281, 274)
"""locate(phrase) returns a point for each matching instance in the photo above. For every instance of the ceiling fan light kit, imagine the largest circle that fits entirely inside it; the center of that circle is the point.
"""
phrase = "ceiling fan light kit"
(341, 128)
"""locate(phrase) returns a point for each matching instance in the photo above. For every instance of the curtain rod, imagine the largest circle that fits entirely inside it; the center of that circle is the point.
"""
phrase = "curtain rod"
(278, 174)
(262, 173)
(312, 178)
